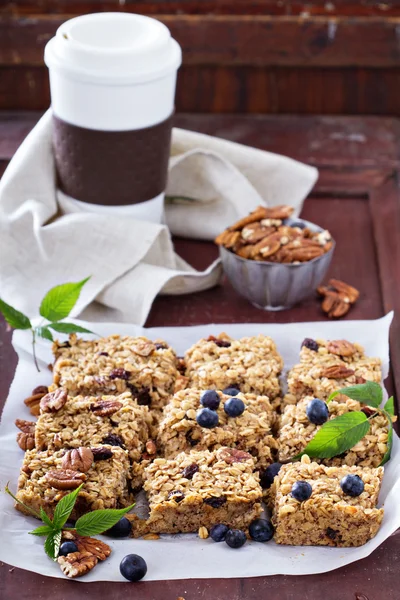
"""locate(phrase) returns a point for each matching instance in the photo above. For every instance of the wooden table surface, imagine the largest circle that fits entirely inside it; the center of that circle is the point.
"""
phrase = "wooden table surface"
(357, 198)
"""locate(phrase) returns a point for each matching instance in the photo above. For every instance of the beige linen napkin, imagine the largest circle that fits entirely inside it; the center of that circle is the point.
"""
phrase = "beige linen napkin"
(214, 182)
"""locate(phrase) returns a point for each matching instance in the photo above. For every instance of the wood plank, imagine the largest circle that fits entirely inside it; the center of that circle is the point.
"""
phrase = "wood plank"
(238, 40)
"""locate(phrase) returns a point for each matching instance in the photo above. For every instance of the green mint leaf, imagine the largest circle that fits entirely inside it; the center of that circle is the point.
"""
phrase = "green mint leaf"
(28, 508)
(389, 406)
(68, 328)
(369, 393)
(60, 300)
(98, 521)
(337, 435)
(388, 452)
(42, 530)
(44, 332)
(45, 518)
(64, 508)
(16, 319)
(52, 544)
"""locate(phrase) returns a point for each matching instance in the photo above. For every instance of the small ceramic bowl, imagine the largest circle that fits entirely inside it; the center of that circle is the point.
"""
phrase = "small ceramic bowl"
(276, 286)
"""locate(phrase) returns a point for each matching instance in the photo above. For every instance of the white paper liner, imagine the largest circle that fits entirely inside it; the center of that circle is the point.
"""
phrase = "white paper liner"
(187, 556)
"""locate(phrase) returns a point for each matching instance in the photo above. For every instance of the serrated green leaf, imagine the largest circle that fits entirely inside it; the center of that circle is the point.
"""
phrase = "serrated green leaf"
(42, 530)
(98, 521)
(44, 333)
(389, 406)
(60, 300)
(337, 436)
(68, 328)
(369, 393)
(64, 508)
(45, 518)
(14, 317)
(388, 452)
(52, 544)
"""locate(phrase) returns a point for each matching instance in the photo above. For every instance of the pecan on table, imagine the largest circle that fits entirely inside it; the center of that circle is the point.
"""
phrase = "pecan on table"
(77, 564)
(53, 401)
(337, 297)
(26, 437)
(33, 401)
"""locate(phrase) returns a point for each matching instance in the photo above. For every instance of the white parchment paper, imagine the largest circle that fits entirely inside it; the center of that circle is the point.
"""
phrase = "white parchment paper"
(187, 556)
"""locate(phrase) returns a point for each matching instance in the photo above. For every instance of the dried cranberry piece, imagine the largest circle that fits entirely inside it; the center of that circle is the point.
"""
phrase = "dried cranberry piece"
(120, 374)
(190, 470)
(177, 496)
(113, 439)
(101, 453)
(64, 345)
(103, 354)
(368, 411)
(191, 441)
(218, 342)
(142, 396)
(310, 344)
(215, 502)
(331, 533)
(161, 346)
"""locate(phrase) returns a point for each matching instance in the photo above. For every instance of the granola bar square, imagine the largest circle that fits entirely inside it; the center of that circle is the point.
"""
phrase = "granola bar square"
(200, 489)
(90, 420)
(296, 431)
(329, 517)
(251, 431)
(116, 364)
(327, 366)
(252, 364)
(43, 481)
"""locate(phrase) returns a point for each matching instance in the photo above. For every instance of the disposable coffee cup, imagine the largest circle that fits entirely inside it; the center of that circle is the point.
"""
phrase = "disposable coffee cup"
(112, 82)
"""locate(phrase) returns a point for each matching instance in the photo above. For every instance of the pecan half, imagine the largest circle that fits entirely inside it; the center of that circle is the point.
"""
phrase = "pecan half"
(337, 372)
(306, 252)
(77, 564)
(65, 479)
(79, 459)
(26, 441)
(53, 401)
(25, 426)
(333, 306)
(33, 401)
(267, 246)
(104, 408)
(260, 213)
(282, 211)
(351, 292)
(231, 455)
(94, 547)
(341, 348)
(255, 232)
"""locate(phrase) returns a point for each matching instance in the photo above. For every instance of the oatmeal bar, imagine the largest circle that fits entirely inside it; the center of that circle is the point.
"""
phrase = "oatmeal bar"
(251, 364)
(44, 480)
(89, 420)
(326, 366)
(329, 517)
(296, 431)
(114, 365)
(200, 489)
(251, 431)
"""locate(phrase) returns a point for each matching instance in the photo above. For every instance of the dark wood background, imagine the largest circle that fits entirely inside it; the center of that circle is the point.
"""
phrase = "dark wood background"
(240, 56)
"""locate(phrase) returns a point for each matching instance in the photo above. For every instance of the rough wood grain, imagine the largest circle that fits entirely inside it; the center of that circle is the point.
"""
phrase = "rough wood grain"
(358, 199)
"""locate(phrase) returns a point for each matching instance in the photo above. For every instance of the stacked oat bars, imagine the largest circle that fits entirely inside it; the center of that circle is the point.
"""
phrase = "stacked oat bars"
(123, 413)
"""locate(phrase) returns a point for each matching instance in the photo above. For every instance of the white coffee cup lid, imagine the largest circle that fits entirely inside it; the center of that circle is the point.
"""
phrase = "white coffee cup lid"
(114, 48)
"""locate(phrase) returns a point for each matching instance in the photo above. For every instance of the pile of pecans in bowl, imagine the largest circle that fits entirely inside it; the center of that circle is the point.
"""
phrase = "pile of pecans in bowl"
(263, 235)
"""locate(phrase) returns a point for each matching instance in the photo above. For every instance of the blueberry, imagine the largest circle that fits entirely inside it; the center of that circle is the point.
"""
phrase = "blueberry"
(121, 529)
(301, 490)
(210, 399)
(267, 477)
(310, 344)
(218, 532)
(231, 391)
(352, 485)
(261, 530)
(234, 407)
(207, 418)
(67, 548)
(317, 411)
(235, 538)
(133, 567)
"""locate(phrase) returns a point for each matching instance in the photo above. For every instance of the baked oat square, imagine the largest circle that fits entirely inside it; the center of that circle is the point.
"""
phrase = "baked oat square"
(200, 489)
(44, 480)
(251, 431)
(114, 365)
(329, 517)
(252, 364)
(90, 420)
(296, 431)
(327, 366)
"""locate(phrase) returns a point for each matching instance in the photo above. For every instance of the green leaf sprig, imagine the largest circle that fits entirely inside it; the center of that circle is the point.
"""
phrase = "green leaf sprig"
(55, 306)
(340, 434)
(92, 523)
